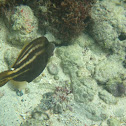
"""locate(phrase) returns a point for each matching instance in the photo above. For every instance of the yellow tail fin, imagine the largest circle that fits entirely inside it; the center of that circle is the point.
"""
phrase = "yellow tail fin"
(5, 77)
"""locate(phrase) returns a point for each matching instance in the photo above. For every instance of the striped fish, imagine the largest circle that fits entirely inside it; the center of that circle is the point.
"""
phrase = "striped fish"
(30, 63)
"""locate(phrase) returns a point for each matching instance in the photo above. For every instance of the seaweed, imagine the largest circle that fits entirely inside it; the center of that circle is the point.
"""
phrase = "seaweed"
(66, 19)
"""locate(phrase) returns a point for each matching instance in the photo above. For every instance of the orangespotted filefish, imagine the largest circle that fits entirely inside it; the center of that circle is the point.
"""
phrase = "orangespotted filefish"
(30, 63)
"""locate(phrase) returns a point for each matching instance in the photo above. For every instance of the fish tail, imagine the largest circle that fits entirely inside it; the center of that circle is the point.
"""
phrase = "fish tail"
(5, 77)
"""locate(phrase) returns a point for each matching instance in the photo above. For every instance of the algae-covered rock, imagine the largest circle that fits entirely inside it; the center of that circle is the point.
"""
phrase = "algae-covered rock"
(84, 90)
(111, 74)
(119, 112)
(116, 86)
(95, 112)
(107, 70)
(53, 69)
(79, 67)
(71, 57)
(24, 25)
(107, 97)
(113, 122)
(109, 27)
(34, 122)
(78, 60)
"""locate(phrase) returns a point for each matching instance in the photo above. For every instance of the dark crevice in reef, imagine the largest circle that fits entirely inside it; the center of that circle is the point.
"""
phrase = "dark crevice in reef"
(122, 37)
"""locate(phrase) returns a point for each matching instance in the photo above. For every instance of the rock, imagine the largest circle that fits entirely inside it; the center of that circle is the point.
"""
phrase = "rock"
(24, 25)
(107, 97)
(113, 122)
(84, 90)
(119, 112)
(108, 69)
(116, 86)
(109, 27)
(79, 68)
(53, 69)
(95, 112)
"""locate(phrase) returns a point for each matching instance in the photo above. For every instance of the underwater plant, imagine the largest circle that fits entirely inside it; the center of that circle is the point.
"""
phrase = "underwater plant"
(66, 19)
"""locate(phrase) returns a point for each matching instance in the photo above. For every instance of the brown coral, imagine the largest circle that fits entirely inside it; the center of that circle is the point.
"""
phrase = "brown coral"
(70, 17)
(67, 18)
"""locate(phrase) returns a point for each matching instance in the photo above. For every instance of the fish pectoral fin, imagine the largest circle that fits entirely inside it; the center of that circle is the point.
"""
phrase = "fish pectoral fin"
(5, 77)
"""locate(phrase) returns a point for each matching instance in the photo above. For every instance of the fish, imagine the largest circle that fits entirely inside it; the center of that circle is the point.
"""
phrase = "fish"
(30, 63)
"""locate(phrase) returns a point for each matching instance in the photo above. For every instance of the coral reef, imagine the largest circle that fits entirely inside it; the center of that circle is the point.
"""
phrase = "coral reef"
(66, 19)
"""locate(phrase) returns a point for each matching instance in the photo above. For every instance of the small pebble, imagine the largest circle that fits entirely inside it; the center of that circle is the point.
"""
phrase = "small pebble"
(53, 69)
(56, 77)
(19, 93)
